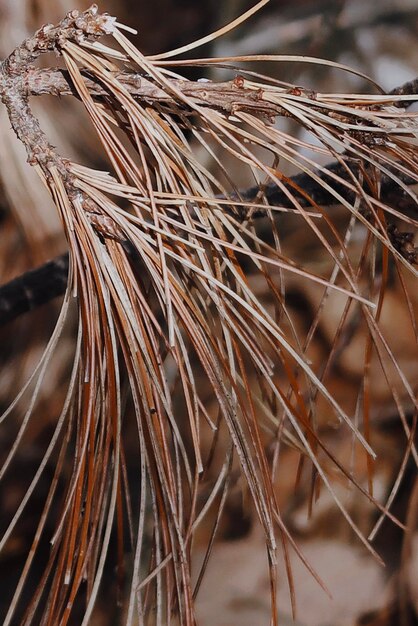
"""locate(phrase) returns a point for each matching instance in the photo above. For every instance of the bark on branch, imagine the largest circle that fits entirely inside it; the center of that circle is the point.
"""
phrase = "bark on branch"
(225, 96)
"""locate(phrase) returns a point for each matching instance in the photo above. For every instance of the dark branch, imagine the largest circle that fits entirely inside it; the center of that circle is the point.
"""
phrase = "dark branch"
(312, 191)
(32, 289)
(407, 89)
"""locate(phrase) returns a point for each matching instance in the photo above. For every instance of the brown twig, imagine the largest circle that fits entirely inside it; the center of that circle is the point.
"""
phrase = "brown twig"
(13, 71)
(224, 96)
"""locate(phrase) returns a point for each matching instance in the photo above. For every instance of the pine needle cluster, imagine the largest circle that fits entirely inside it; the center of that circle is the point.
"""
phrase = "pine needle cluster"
(168, 271)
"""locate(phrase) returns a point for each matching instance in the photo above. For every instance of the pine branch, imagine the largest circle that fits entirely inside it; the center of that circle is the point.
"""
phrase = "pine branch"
(19, 80)
(184, 321)
(226, 96)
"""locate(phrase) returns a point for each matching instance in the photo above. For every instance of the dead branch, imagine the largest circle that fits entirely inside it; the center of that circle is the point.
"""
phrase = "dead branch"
(226, 96)
(186, 304)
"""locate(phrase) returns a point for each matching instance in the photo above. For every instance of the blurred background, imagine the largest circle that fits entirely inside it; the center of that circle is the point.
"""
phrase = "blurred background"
(378, 37)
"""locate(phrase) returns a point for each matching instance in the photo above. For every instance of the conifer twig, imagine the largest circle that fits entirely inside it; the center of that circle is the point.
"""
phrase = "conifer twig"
(168, 315)
(20, 80)
(225, 95)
